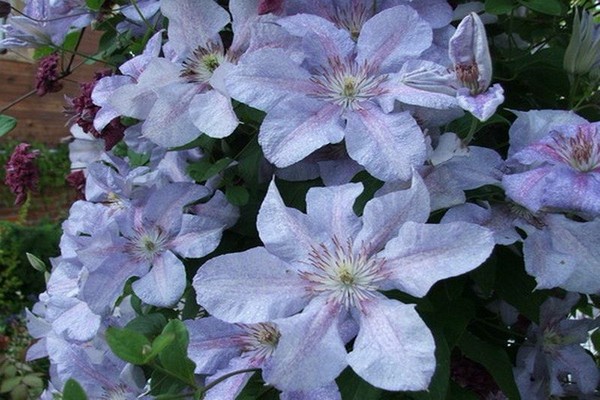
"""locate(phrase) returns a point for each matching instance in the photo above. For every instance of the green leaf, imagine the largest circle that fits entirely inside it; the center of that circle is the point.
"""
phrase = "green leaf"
(94, 5)
(73, 391)
(149, 325)
(550, 7)
(494, 359)
(7, 124)
(174, 356)
(33, 381)
(204, 170)
(163, 384)
(128, 345)
(36, 263)
(9, 384)
(499, 7)
(237, 195)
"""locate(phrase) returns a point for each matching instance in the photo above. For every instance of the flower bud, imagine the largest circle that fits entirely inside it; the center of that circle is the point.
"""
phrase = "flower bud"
(583, 52)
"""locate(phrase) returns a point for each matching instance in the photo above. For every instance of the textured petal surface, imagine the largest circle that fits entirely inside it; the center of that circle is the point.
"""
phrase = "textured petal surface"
(212, 114)
(163, 286)
(391, 37)
(387, 145)
(483, 105)
(310, 352)
(394, 349)
(193, 23)
(296, 128)
(212, 344)
(331, 208)
(253, 286)
(565, 254)
(385, 214)
(423, 254)
(286, 232)
(266, 77)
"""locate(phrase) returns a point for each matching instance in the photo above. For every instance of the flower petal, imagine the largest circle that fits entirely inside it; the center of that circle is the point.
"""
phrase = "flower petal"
(249, 287)
(423, 254)
(394, 349)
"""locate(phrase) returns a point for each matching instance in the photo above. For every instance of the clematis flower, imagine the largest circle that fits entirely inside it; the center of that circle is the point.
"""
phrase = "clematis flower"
(469, 52)
(146, 242)
(219, 348)
(44, 22)
(559, 169)
(182, 95)
(552, 361)
(321, 270)
(345, 88)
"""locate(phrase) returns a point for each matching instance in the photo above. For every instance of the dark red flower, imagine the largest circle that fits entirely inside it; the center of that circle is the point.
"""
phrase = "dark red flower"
(22, 175)
(46, 78)
(83, 111)
(76, 179)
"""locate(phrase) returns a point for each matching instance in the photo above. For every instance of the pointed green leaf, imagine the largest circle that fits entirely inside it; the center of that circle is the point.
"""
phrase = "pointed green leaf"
(237, 195)
(7, 124)
(494, 359)
(174, 356)
(36, 263)
(129, 345)
(73, 391)
(499, 7)
(550, 7)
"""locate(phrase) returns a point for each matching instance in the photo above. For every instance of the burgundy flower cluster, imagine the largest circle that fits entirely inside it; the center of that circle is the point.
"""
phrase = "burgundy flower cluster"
(22, 175)
(47, 77)
(83, 111)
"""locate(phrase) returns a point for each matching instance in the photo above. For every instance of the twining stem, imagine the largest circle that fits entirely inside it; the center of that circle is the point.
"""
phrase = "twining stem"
(226, 376)
(18, 100)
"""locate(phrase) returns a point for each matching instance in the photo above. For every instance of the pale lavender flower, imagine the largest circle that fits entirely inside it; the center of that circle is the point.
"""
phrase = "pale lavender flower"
(219, 348)
(552, 361)
(146, 242)
(454, 168)
(558, 252)
(469, 52)
(558, 171)
(346, 88)
(325, 267)
(182, 95)
(44, 22)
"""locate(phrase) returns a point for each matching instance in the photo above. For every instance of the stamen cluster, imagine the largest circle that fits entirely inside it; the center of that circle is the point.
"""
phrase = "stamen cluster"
(146, 244)
(258, 341)
(581, 152)
(347, 83)
(200, 65)
(349, 278)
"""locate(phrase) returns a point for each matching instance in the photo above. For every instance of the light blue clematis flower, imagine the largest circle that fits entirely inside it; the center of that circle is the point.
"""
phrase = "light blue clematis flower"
(318, 271)
(343, 90)
(554, 162)
(469, 52)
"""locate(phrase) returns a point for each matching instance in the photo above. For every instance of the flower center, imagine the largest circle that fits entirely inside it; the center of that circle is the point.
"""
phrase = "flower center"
(468, 75)
(200, 65)
(258, 341)
(581, 152)
(147, 244)
(347, 83)
(348, 278)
